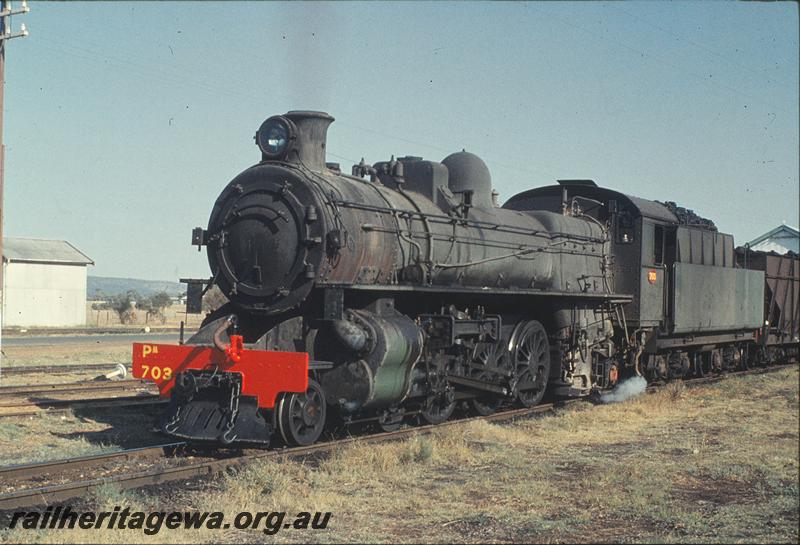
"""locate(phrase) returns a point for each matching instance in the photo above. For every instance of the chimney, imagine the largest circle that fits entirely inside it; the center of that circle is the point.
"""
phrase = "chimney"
(312, 130)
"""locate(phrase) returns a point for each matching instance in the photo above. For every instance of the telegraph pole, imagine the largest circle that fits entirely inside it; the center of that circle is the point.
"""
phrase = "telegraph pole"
(6, 11)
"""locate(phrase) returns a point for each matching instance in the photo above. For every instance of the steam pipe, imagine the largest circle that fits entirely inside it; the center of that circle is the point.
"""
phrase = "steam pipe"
(226, 323)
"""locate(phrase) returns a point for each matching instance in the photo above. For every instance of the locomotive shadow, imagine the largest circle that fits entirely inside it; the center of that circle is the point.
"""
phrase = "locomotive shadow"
(128, 427)
(137, 426)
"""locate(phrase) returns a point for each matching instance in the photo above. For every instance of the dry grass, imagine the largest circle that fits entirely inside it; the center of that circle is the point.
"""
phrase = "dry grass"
(94, 350)
(106, 350)
(712, 464)
(45, 436)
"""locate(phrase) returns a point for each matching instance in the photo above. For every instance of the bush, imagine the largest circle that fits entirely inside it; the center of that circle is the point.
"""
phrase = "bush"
(213, 299)
(124, 304)
(155, 305)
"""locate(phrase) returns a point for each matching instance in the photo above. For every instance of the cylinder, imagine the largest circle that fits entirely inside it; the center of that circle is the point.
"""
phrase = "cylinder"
(380, 377)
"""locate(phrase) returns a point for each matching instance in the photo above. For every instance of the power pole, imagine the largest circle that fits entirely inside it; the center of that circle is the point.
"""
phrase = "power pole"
(6, 11)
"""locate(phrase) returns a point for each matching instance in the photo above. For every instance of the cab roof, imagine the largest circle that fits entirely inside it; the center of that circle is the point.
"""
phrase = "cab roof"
(589, 189)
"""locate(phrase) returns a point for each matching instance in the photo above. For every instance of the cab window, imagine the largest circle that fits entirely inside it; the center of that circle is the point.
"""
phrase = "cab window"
(626, 227)
(658, 245)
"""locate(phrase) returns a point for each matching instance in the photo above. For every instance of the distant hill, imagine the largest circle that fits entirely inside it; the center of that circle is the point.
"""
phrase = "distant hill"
(98, 287)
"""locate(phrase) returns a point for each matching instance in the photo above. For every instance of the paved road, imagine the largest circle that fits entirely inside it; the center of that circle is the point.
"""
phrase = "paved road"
(87, 339)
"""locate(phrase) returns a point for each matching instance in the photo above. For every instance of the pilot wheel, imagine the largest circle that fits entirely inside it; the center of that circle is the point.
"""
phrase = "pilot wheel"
(301, 417)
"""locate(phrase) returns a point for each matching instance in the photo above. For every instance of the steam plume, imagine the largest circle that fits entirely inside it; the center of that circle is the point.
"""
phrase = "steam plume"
(625, 390)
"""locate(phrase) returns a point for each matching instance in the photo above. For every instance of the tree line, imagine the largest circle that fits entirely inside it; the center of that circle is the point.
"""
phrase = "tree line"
(126, 304)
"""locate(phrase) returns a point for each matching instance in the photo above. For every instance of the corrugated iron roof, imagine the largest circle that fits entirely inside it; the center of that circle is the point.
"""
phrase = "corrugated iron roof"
(784, 238)
(775, 247)
(781, 231)
(43, 251)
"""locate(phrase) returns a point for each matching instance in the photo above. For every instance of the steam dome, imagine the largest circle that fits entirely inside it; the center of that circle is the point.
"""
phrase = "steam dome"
(468, 172)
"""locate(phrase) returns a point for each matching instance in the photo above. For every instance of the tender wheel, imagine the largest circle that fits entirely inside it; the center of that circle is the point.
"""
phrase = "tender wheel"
(717, 365)
(762, 357)
(704, 364)
(301, 417)
(530, 353)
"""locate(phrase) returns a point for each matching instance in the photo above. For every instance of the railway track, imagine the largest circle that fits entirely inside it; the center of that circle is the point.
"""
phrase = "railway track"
(63, 369)
(73, 388)
(30, 399)
(29, 497)
(54, 406)
(167, 470)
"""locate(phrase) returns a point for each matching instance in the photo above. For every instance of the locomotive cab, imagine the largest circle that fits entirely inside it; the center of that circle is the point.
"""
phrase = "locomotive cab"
(687, 295)
(640, 266)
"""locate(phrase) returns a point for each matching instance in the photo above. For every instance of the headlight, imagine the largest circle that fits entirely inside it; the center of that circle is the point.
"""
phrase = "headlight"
(276, 137)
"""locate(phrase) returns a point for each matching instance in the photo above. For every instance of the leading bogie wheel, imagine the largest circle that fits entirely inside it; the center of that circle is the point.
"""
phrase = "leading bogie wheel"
(530, 353)
(438, 407)
(301, 417)
(391, 419)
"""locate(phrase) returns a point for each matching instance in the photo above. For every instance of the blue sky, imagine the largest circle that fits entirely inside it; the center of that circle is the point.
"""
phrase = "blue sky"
(124, 121)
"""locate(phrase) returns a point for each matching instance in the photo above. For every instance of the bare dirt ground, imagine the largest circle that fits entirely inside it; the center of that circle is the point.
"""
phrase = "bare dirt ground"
(717, 463)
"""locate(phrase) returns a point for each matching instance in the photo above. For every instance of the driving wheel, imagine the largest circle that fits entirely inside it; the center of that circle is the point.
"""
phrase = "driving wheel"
(530, 352)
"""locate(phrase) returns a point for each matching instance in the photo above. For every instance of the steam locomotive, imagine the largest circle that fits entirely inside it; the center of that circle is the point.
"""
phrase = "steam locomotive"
(403, 290)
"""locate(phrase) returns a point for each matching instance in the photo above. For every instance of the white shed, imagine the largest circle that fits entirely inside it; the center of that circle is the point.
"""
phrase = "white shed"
(783, 239)
(44, 283)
